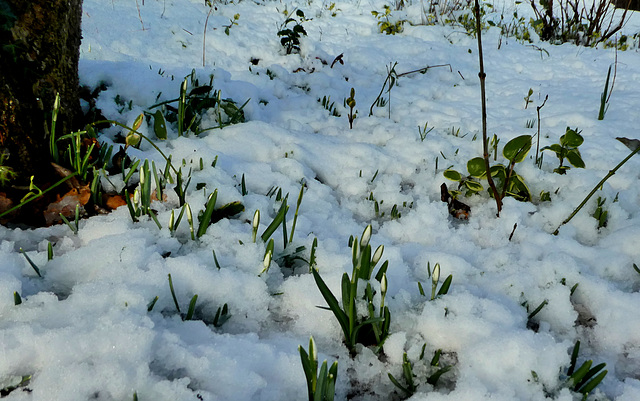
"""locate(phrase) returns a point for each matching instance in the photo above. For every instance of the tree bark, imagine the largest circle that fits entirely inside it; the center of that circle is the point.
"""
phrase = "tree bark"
(39, 52)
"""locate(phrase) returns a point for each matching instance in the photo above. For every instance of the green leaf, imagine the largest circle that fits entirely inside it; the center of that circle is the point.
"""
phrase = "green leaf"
(517, 149)
(473, 186)
(452, 175)
(433, 379)
(519, 189)
(159, 125)
(445, 285)
(593, 383)
(280, 216)
(331, 300)
(226, 211)
(571, 139)
(498, 171)
(397, 384)
(208, 212)
(476, 167)
(192, 308)
(575, 158)
(580, 386)
(555, 148)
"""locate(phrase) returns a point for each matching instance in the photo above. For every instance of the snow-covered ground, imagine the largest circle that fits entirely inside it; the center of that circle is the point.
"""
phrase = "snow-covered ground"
(83, 330)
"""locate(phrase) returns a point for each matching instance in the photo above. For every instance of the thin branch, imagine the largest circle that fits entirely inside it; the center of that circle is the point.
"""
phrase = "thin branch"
(485, 143)
(593, 191)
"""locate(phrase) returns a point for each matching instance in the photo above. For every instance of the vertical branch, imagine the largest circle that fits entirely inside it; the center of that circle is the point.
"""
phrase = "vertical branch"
(485, 143)
(538, 136)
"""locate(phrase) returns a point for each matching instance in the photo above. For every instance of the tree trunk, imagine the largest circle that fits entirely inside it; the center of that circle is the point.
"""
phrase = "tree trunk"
(39, 52)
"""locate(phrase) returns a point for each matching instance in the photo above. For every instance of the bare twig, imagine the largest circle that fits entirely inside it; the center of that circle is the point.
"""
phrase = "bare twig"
(538, 137)
(423, 70)
(204, 36)
(485, 143)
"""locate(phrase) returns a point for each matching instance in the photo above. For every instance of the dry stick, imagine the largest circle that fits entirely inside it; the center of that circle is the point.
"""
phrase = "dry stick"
(615, 72)
(593, 191)
(485, 143)
(140, 15)
(204, 36)
(424, 69)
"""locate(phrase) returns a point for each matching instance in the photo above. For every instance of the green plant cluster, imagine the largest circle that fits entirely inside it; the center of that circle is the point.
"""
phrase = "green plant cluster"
(385, 21)
(290, 37)
(193, 101)
(568, 149)
(372, 327)
(508, 181)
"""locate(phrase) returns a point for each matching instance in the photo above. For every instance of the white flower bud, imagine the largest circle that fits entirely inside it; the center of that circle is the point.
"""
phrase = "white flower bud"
(366, 237)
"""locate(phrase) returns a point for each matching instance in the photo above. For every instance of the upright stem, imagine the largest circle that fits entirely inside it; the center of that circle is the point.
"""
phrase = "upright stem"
(485, 143)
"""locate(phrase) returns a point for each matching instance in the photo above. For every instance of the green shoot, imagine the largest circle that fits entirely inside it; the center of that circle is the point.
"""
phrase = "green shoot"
(215, 259)
(208, 211)
(295, 216)
(33, 265)
(254, 226)
(320, 386)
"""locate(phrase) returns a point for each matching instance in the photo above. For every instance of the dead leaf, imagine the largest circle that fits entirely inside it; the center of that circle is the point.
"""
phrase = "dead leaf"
(113, 201)
(457, 209)
(65, 206)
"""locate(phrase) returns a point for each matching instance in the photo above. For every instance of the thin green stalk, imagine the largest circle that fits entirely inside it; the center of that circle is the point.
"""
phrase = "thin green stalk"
(595, 189)
(39, 195)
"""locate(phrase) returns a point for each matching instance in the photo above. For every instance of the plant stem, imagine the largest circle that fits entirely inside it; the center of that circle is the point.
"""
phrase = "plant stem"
(538, 136)
(593, 191)
(485, 144)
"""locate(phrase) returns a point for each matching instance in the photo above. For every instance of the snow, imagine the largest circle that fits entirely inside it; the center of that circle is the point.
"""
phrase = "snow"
(83, 330)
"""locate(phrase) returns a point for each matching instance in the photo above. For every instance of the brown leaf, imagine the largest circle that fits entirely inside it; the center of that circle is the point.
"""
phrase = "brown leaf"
(114, 201)
(65, 206)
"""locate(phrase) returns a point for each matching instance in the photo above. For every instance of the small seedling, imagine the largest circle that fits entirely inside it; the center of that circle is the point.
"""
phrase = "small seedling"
(601, 213)
(232, 22)
(409, 376)
(585, 378)
(192, 303)
(351, 103)
(604, 98)
(384, 23)
(290, 37)
(423, 131)
(568, 148)
(33, 265)
(330, 106)
(527, 99)
(321, 386)
(193, 103)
